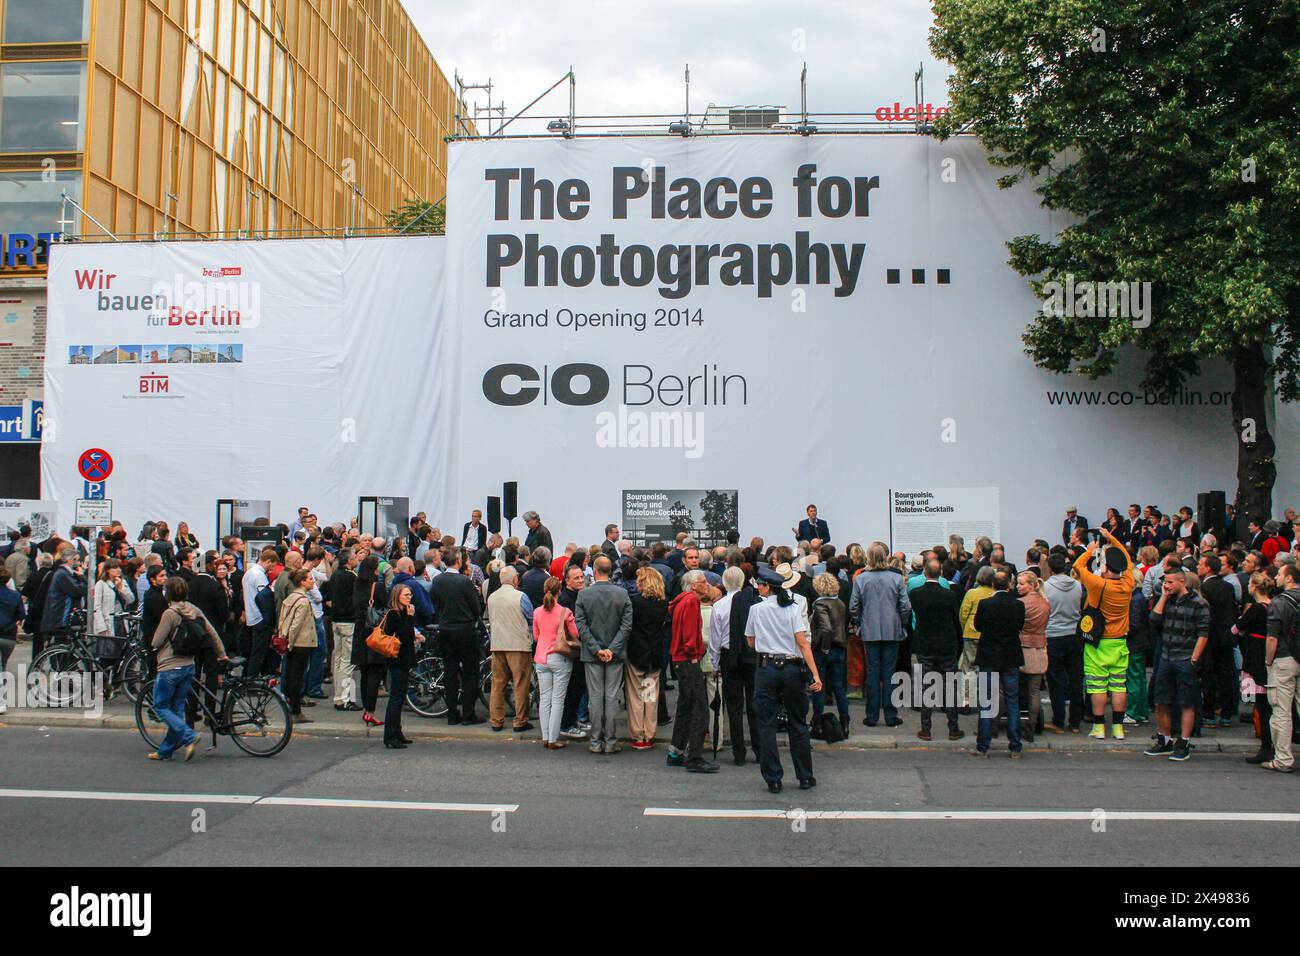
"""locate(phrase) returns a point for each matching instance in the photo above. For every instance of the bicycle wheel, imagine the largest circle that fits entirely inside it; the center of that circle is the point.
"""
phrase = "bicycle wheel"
(426, 694)
(147, 721)
(134, 673)
(485, 689)
(257, 719)
(61, 673)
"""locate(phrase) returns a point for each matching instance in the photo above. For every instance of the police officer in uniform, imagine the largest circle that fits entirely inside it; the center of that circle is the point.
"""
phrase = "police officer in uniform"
(777, 632)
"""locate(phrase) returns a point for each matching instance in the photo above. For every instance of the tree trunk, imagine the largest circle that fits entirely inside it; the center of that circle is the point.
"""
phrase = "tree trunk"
(1256, 469)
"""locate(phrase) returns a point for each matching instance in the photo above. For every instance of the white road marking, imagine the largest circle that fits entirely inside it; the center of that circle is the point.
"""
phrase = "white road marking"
(254, 800)
(384, 804)
(136, 797)
(1158, 816)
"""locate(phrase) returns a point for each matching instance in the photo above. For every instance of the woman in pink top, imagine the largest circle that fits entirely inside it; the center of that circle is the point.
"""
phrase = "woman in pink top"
(1033, 642)
(556, 634)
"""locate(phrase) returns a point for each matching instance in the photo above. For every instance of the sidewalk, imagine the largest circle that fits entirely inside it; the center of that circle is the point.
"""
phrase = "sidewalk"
(328, 722)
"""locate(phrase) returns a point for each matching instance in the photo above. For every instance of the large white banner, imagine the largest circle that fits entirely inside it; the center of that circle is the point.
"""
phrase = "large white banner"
(795, 320)
(804, 320)
(302, 372)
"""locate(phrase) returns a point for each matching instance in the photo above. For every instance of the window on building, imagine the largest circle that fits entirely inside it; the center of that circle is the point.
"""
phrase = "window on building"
(46, 21)
(42, 106)
(31, 202)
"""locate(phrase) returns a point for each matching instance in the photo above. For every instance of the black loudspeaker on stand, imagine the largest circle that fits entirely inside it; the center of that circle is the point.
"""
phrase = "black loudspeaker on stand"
(494, 514)
(1211, 512)
(510, 503)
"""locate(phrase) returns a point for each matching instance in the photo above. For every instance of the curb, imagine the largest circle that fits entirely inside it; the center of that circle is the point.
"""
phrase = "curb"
(416, 730)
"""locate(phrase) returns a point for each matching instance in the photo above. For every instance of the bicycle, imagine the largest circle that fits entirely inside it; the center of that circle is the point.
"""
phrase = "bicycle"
(426, 693)
(246, 709)
(74, 654)
(426, 690)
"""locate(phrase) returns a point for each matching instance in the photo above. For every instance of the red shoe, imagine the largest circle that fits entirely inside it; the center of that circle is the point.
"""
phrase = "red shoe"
(371, 720)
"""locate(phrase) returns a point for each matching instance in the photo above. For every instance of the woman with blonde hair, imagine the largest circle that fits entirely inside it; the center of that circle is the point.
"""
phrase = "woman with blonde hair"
(399, 622)
(1033, 643)
(645, 657)
(830, 633)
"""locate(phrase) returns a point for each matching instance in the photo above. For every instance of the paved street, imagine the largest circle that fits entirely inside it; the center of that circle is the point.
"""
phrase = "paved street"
(85, 797)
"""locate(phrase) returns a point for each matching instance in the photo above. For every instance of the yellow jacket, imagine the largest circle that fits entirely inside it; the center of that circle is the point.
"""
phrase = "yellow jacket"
(968, 605)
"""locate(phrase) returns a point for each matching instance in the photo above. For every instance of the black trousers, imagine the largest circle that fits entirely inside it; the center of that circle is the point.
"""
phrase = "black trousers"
(934, 665)
(460, 655)
(1220, 687)
(1065, 679)
(786, 685)
(260, 659)
(295, 677)
(398, 677)
(692, 721)
(207, 673)
(738, 695)
(371, 676)
(573, 696)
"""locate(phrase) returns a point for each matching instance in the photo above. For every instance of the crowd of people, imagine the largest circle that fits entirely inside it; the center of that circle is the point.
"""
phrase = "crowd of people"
(1146, 615)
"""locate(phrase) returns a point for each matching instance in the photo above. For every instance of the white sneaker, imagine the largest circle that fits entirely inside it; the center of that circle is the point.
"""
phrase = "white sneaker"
(1130, 721)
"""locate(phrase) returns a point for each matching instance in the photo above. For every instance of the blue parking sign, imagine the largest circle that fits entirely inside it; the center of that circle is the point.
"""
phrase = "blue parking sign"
(95, 490)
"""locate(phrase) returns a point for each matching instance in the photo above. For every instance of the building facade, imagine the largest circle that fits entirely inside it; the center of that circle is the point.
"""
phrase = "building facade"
(200, 118)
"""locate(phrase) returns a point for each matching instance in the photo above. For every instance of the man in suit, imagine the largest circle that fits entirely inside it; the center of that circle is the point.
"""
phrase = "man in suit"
(1220, 686)
(609, 547)
(999, 618)
(812, 527)
(936, 642)
(1257, 534)
(603, 613)
(1072, 521)
(473, 535)
(1134, 528)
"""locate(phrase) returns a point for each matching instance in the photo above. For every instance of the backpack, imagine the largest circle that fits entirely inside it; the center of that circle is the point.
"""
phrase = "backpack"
(189, 636)
(827, 727)
(264, 601)
(1287, 641)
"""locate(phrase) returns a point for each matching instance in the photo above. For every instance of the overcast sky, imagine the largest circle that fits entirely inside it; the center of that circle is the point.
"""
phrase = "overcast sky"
(629, 57)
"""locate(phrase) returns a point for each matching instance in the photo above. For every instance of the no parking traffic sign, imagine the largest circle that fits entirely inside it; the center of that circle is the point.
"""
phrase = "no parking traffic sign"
(95, 464)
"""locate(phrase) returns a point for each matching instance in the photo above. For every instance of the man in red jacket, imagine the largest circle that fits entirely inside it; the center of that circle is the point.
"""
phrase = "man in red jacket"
(688, 648)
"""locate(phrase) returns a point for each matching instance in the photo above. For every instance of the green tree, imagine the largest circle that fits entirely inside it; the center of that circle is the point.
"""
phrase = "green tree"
(432, 220)
(680, 517)
(1167, 129)
(719, 510)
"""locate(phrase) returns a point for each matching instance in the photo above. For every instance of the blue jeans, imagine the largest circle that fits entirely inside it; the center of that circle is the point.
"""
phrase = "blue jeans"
(316, 663)
(834, 672)
(881, 656)
(1010, 684)
(170, 688)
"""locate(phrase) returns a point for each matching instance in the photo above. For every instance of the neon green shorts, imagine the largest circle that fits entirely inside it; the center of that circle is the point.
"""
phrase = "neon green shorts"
(1105, 667)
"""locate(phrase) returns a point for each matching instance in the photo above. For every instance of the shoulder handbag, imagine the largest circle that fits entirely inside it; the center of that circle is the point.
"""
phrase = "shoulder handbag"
(563, 645)
(1092, 623)
(280, 639)
(385, 645)
(374, 616)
